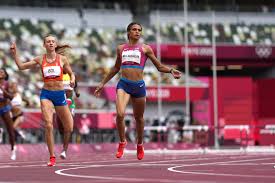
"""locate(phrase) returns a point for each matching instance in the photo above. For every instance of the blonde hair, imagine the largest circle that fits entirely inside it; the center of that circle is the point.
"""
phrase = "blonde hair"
(60, 48)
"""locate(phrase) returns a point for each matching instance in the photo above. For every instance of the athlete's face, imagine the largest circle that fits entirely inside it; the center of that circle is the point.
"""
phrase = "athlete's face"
(135, 32)
(50, 43)
(2, 74)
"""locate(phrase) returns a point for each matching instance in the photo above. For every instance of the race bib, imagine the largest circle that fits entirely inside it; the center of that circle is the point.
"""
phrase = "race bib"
(51, 71)
(131, 56)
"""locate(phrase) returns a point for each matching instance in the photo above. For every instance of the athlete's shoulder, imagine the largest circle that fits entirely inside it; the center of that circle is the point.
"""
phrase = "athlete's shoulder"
(145, 45)
(120, 47)
(146, 48)
(39, 59)
(62, 56)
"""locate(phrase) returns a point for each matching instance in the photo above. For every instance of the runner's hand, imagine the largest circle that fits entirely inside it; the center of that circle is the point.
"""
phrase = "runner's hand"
(13, 50)
(176, 74)
(98, 90)
(72, 83)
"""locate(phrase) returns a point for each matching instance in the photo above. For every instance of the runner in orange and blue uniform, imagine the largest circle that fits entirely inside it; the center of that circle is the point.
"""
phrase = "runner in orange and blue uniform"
(131, 58)
(52, 95)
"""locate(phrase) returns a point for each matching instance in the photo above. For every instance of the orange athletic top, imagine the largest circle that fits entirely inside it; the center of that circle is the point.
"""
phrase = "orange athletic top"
(52, 71)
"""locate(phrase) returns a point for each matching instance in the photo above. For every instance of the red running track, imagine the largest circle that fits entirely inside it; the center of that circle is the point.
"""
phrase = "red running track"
(100, 166)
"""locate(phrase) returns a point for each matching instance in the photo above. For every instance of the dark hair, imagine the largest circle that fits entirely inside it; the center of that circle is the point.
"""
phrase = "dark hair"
(60, 48)
(5, 71)
(130, 26)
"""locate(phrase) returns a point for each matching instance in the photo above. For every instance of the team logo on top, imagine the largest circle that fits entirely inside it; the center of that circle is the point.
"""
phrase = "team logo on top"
(263, 51)
(51, 71)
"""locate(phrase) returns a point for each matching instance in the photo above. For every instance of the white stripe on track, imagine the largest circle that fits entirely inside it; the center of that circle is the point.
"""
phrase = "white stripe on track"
(173, 169)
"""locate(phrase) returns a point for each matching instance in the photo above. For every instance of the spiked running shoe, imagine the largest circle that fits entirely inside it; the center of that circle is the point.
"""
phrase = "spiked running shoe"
(13, 153)
(63, 155)
(120, 150)
(140, 151)
(52, 161)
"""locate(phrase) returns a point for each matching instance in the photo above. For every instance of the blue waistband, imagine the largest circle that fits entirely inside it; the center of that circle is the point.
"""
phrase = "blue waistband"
(53, 91)
(130, 81)
(132, 66)
(5, 109)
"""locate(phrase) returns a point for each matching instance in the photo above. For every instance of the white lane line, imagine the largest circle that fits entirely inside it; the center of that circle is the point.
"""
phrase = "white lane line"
(73, 163)
(62, 171)
(20, 162)
(173, 169)
(245, 164)
(78, 164)
(103, 161)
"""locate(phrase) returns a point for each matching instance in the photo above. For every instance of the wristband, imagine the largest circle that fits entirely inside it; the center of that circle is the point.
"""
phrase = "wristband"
(171, 70)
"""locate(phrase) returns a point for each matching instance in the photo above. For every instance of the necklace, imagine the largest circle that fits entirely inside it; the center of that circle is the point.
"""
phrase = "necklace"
(50, 60)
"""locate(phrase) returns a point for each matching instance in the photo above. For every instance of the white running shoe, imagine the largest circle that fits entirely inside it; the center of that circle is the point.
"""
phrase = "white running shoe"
(22, 134)
(13, 153)
(1, 134)
(63, 155)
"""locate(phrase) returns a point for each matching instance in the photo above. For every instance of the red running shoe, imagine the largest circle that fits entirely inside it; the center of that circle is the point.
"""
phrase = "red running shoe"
(140, 151)
(52, 161)
(120, 149)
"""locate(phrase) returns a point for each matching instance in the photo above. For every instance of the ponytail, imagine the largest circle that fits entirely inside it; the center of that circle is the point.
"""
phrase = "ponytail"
(61, 49)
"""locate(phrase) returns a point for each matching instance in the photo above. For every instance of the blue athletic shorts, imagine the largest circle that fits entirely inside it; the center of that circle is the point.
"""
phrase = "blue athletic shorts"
(136, 89)
(57, 97)
(5, 109)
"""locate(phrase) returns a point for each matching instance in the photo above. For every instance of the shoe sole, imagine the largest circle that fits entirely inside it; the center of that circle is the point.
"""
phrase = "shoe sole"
(120, 156)
(50, 165)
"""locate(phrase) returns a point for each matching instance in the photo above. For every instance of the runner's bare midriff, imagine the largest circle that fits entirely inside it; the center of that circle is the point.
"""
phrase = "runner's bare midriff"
(132, 74)
(4, 103)
(16, 110)
(53, 85)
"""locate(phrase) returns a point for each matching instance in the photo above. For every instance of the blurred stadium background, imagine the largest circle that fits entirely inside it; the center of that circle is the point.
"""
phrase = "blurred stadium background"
(227, 104)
